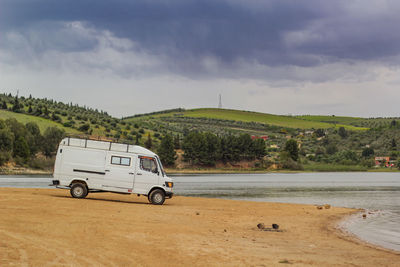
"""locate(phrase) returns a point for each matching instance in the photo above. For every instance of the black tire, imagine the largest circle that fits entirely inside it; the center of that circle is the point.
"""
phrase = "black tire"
(79, 190)
(157, 197)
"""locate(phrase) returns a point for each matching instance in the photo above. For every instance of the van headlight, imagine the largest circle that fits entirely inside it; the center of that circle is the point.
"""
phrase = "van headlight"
(169, 184)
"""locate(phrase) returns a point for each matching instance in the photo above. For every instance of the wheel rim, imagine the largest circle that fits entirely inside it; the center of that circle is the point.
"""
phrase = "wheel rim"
(78, 191)
(157, 198)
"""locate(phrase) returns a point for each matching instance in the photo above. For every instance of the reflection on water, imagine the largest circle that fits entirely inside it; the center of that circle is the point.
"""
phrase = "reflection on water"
(371, 191)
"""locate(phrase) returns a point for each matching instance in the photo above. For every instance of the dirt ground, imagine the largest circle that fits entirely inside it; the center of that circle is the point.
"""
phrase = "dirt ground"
(46, 227)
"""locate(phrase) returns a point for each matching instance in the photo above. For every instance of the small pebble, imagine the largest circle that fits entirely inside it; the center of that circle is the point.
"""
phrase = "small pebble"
(319, 207)
(364, 215)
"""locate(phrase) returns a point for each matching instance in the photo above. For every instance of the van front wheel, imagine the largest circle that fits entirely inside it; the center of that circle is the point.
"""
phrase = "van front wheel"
(79, 190)
(157, 197)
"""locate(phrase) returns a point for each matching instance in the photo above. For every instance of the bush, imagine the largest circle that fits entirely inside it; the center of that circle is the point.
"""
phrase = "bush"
(84, 128)
(41, 163)
(4, 157)
(290, 164)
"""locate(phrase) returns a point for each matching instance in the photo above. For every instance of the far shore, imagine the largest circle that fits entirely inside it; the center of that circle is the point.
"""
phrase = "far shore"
(40, 227)
(28, 171)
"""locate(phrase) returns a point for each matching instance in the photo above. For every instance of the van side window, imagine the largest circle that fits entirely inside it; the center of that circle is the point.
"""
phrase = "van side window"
(120, 161)
(148, 164)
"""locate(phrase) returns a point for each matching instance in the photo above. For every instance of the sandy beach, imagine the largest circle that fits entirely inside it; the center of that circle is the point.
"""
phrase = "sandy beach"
(46, 227)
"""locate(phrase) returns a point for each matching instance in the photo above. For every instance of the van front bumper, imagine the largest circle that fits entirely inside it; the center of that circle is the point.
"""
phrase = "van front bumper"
(169, 194)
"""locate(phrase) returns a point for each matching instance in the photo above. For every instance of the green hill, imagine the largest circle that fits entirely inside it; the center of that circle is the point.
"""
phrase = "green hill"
(41, 122)
(293, 122)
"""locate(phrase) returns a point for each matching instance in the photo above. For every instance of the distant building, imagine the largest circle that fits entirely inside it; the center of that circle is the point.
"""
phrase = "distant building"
(264, 137)
(386, 160)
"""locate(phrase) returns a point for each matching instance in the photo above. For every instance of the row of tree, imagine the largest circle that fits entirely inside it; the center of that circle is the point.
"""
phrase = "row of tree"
(205, 148)
(23, 141)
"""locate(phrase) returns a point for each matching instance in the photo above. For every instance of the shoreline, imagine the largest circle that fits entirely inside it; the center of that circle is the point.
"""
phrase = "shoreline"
(174, 171)
(38, 226)
(205, 171)
(342, 231)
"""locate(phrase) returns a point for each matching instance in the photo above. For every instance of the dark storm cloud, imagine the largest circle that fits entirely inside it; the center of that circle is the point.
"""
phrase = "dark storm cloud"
(233, 33)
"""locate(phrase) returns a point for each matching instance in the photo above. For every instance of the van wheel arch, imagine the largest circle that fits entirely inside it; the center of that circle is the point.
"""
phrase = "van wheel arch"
(78, 182)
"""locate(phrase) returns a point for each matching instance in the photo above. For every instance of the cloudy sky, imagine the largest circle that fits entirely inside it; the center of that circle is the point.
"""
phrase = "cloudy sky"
(337, 57)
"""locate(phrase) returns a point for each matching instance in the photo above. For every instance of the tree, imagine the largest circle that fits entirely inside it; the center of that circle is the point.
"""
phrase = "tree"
(342, 132)
(148, 143)
(6, 140)
(211, 149)
(367, 152)
(33, 138)
(17, 128)
(84, 127)
(21, 148)
(394, 145)
(177, 142)
(258, 148)
(292, 148)
(137, 139)
(52, 137)
(319, 132)
(30, 109)
(4, 105)
(166, 151)
(6, 145)
(245, 146)
(16, 107)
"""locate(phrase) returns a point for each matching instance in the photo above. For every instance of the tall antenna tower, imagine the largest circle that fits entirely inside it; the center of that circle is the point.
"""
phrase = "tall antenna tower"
(220, 101)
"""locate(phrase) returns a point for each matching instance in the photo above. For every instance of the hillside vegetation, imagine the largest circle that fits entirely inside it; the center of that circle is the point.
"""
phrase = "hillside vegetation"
(295, 122)
(226, 134)
(41, 122)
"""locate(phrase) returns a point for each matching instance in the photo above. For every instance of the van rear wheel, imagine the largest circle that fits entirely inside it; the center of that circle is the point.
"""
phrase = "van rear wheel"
(157, 197)
(79, 190)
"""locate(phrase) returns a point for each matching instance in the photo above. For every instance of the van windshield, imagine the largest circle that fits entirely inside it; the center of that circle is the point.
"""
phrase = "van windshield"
(161, 166)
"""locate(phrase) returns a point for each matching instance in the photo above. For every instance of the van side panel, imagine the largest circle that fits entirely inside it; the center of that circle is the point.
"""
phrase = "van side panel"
(87, 164)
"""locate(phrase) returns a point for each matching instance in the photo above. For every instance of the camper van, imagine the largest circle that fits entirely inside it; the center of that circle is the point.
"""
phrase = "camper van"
(87, 166)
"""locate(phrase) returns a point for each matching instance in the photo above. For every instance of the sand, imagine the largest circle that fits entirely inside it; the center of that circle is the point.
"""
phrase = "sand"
(46, 227)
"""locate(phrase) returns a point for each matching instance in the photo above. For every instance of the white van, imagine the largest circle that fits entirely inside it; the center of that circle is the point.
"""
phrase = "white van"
(84, 165)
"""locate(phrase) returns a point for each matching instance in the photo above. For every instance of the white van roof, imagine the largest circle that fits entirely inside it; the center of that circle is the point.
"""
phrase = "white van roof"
(105, 145)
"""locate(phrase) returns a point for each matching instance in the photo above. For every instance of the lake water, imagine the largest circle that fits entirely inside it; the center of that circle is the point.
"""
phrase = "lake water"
(378, 193)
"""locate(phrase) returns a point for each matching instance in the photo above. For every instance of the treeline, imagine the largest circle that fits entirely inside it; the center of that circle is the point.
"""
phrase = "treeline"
(22, 142)
(206, 149)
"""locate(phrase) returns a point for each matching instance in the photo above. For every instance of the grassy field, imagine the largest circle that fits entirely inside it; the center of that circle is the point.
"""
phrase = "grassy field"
(248, 116)
(41, 122)
(325, 167)
(331, 119)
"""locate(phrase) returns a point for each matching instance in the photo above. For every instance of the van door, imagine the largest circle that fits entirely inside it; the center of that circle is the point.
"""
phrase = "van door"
(119, 172)
(147, 174)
